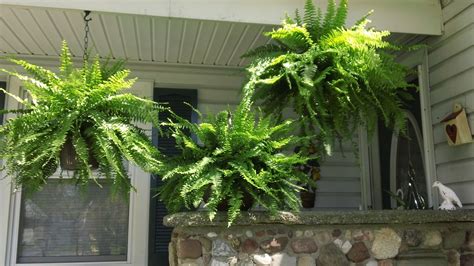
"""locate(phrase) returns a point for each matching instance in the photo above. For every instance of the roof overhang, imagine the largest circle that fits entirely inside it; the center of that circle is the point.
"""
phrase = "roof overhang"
(401, 16)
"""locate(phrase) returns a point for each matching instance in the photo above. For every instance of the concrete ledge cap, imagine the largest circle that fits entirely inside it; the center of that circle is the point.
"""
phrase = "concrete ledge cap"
(200, 218)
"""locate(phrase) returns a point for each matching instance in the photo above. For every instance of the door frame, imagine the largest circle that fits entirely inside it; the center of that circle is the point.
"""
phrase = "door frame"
(417, 59)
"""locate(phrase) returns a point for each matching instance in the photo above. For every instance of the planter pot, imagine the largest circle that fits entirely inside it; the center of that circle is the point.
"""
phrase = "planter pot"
(247, 202)
(68, 157)
(307, 199)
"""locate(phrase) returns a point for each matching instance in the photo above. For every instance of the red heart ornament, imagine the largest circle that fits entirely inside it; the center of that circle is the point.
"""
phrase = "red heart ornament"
(452, 132)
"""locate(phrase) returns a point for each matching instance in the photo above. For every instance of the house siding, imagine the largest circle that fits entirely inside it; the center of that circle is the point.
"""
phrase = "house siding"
(451, 69)
(340, 185)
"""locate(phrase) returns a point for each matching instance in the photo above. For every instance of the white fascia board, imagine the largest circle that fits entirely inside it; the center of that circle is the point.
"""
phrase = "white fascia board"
(403, 16)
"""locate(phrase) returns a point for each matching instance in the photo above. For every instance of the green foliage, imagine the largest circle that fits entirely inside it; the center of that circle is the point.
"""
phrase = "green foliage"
(236, 154)
(85, 106)
(334, 78)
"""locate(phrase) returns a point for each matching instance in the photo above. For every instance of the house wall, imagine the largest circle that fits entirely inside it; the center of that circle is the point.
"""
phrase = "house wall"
(451, 69)
(217, 88)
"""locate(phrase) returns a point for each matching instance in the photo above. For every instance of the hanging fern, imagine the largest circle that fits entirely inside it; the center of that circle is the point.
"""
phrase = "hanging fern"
(85, 106)
(237, 154)
(335, 78)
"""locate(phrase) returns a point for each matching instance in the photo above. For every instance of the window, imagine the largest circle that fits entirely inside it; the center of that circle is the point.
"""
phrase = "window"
(64, 223)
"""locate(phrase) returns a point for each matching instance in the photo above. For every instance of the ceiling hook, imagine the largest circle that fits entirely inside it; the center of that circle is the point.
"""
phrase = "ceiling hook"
(86, 15)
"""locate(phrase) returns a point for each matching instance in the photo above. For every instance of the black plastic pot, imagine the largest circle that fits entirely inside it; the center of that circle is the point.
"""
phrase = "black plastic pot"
(307, 199)
(68, 157)
(247, 201)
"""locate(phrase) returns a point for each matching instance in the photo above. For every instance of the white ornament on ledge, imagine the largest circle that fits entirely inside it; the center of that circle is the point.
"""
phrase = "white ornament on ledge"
(450, 199)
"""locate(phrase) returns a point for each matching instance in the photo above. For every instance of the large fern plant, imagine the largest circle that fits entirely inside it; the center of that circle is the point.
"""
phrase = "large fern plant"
(86, 106)
(235, 153)
(335, 78)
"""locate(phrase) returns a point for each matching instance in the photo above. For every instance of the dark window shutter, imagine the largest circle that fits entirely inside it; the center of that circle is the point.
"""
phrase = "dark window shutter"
(160, 235)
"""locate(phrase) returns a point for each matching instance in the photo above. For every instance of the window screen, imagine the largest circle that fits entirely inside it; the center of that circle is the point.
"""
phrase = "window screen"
(65, 223)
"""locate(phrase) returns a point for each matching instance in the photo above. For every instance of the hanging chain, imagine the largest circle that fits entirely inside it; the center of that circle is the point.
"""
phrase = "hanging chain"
(85, 56)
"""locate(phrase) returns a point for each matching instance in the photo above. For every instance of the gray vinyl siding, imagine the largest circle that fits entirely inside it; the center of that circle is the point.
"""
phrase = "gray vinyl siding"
(451, 65)
(339, 187)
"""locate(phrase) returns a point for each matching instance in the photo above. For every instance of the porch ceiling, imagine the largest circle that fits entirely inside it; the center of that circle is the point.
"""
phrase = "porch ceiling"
(33, 31)
(29, 31)
(403, 16)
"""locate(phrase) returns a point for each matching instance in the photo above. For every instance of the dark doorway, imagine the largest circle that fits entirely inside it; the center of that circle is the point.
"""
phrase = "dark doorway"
(398, 151)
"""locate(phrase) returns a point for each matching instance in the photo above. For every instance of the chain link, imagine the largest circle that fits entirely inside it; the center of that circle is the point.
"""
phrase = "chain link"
(85, 56)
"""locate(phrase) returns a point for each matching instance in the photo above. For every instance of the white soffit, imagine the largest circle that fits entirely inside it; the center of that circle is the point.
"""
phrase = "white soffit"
(402, 16)
(37, 32)
(32, 31)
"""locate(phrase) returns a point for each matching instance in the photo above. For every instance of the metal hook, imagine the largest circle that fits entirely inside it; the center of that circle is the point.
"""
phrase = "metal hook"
(86, 15)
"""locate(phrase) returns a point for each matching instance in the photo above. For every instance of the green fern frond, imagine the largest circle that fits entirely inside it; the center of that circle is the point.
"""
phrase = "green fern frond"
(328, 22)
(363, 21)
(288, 20)
(298, 19)
(65, 68)
(267, 50)
(310, 14)
(38, 73)
(295, 38)
(341, 14)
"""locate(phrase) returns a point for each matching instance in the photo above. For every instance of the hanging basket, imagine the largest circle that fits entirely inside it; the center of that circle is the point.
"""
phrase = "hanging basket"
(68, 158)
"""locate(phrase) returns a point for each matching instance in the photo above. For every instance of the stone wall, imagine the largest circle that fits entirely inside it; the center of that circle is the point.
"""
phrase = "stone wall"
(278, 242)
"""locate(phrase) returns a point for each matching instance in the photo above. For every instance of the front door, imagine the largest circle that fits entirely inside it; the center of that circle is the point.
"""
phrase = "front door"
(402, 156)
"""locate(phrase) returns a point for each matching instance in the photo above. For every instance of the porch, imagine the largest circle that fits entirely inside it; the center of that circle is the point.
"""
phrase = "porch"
(182, 51)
